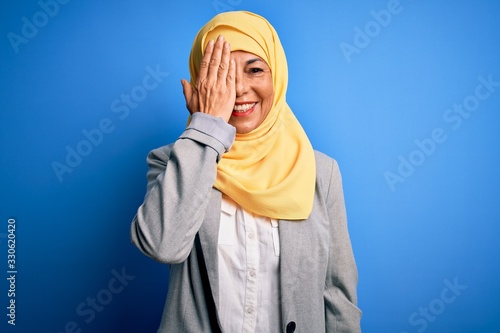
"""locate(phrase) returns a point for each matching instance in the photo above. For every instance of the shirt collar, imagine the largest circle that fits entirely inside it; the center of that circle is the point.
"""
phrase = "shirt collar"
(228, 205)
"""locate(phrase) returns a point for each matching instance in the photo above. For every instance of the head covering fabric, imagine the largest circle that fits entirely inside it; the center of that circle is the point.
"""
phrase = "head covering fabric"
(271, 170)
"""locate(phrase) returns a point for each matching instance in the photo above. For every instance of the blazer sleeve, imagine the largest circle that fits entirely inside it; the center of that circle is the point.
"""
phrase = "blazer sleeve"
(180, 177)
(341, 311)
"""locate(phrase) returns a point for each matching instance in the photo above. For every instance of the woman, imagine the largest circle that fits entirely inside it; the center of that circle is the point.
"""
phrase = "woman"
(250, 218)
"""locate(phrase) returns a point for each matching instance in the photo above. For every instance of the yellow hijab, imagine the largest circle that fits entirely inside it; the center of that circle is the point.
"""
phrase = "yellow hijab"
(270, 171)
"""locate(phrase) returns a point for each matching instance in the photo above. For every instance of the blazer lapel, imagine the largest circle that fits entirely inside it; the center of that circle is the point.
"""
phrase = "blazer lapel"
(291, 249)
(209, 235)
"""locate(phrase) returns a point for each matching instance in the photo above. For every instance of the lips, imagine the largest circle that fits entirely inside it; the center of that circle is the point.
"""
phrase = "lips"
(243, 109)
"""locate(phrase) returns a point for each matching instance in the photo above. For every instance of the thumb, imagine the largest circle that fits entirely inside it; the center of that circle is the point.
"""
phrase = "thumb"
(187, 90)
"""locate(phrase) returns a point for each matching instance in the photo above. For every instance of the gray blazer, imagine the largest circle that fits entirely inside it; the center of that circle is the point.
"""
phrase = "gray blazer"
(178, 224)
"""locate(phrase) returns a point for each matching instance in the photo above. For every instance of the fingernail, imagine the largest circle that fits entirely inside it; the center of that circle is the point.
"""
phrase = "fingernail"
(221, 37)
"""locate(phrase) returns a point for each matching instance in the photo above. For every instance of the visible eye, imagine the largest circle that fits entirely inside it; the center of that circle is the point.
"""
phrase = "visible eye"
(256, 70)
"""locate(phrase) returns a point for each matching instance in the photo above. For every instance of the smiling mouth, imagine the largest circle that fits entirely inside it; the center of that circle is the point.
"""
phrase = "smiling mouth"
(243, 107)
(241, 110)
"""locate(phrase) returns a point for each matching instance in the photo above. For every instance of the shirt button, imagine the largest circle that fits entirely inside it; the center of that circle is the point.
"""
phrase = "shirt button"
(251, 235)
(252, 274)
(249, 310)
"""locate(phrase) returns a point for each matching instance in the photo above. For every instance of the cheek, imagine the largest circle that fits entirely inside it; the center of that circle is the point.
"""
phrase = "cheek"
(267, 96)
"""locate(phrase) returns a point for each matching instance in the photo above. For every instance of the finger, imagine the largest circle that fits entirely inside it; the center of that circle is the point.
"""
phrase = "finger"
(224, 63)
(205, 61)
(231, 76)
(187, 90)
(213, 68)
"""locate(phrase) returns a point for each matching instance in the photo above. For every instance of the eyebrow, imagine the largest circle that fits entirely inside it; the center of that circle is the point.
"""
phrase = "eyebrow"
(251, 61)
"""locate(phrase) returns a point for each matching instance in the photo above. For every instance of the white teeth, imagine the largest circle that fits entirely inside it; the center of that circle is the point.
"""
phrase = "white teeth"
(243, 107)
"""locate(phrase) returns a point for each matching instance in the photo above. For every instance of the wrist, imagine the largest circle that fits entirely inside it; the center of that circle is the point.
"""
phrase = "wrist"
(215, 127)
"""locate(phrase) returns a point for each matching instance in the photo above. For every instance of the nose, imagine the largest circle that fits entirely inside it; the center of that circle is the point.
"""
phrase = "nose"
(241, 84)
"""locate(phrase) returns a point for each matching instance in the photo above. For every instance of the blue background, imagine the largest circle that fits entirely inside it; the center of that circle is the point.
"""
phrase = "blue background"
(436, 226)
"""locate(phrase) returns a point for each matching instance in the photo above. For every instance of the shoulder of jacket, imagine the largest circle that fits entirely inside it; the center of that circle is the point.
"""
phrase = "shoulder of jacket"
(327, 171)
(324, 163)
(161, 153)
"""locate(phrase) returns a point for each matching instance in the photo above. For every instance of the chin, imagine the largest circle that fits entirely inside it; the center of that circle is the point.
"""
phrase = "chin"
(242, 128)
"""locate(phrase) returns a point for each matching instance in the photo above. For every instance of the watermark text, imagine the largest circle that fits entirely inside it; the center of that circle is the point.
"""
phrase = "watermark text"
(453, 117)
(425, 315)
(31, 27)
(120, 107)
(11, 271)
